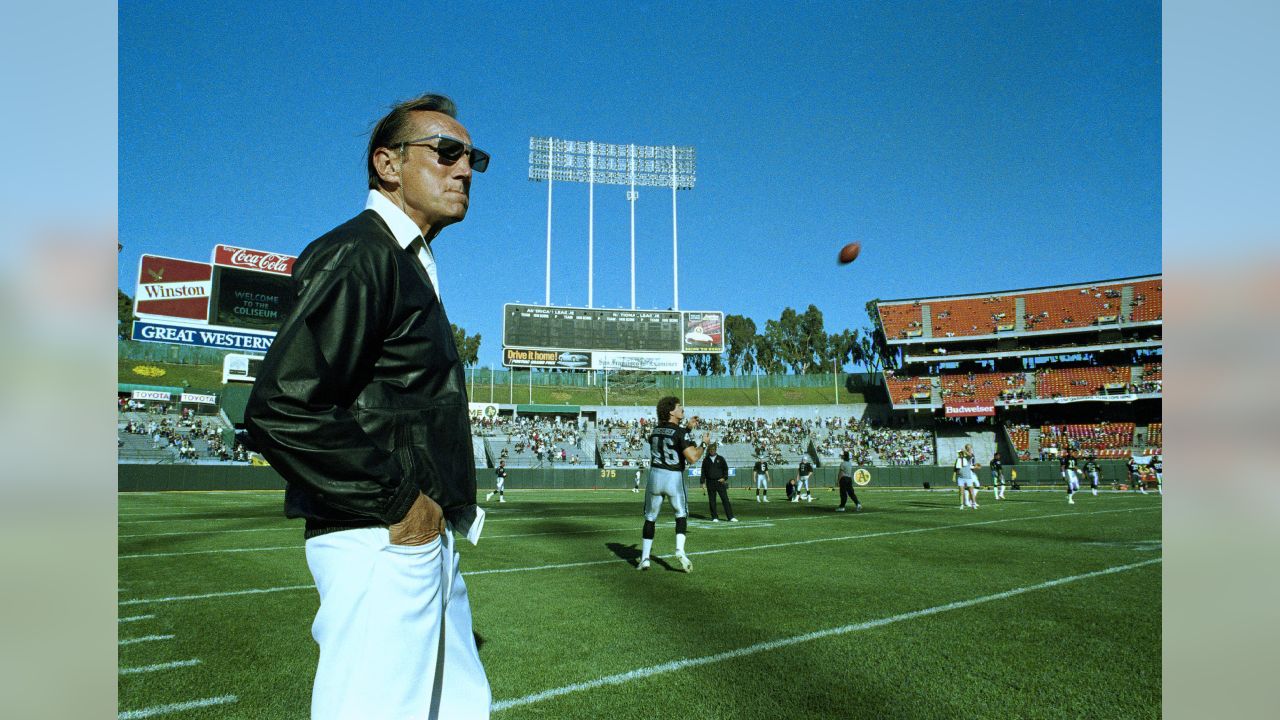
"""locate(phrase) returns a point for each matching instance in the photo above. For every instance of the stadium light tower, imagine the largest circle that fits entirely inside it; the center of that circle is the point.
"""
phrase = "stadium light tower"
(672, 166)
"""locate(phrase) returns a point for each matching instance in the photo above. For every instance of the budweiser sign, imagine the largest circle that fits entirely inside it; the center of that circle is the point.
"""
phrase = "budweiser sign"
(970, 409)
(260, 260)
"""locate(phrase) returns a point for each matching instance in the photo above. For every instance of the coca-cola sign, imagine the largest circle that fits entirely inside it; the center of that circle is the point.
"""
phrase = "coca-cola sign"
(260, 260)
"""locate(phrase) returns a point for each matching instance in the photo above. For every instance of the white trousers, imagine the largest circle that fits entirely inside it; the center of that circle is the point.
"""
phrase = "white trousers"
(394, 629)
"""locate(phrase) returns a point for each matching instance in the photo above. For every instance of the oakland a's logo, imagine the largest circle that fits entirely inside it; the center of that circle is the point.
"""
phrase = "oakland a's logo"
(861, 476)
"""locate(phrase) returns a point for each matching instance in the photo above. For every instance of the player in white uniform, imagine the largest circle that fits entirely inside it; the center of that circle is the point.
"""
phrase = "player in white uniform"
(639, 471)
(966, 478)
(500, 480)
(669, 450)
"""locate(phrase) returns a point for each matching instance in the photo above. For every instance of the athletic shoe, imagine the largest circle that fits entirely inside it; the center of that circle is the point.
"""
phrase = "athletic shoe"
(858, 508)
(808, 498)
(501, 499)
(795, 499)
(840, 509)
(644, 565)
(733, 519)
(765, 500)
(1071, 501)
(715, 519)
(976, 506)
(757, 498)
(685, 563)
(486, 497)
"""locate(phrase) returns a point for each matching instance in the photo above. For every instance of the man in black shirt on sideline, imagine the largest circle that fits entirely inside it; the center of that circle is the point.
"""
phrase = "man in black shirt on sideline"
(715, 478)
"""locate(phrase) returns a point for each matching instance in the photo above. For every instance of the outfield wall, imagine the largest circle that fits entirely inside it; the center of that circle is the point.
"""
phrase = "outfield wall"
(152, 478)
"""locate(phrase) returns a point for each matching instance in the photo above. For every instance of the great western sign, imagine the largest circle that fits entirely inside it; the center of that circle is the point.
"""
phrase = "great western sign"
(223, 338)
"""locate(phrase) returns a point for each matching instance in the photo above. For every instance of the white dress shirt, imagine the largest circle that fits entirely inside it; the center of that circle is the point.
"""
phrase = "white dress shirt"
(405, 231)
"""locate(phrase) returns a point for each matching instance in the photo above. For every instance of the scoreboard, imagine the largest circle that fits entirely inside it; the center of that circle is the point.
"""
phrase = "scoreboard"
(543, 327)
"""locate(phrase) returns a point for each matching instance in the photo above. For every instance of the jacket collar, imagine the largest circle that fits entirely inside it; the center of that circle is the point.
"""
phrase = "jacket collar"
(402, 228)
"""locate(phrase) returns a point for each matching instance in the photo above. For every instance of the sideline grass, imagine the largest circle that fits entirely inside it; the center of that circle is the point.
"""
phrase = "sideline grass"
(1090, 647)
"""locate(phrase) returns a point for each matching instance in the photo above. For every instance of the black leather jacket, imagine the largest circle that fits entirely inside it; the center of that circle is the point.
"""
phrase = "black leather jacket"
(361, 401)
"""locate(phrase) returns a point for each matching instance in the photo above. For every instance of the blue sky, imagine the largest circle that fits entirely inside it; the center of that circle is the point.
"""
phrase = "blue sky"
(968, 146)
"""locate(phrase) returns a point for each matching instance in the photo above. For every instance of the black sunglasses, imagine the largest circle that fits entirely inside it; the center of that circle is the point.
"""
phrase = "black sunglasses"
(451, 149)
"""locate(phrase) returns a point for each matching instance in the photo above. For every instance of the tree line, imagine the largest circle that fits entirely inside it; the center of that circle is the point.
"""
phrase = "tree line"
(797, 343)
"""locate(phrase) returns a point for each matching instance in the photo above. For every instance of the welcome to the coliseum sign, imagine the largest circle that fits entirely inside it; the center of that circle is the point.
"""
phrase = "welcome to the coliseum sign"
(235, 302)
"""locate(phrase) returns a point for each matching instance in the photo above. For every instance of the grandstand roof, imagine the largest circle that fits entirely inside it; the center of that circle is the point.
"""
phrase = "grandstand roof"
(1021, 291)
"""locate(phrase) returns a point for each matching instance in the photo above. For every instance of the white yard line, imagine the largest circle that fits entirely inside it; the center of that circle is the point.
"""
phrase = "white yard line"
(684, 663)
(159, 667)
(231, 593)
(291, 528)
(556, 566)
(147, 638)
(212, 552)
(175, 707)
(135, 618)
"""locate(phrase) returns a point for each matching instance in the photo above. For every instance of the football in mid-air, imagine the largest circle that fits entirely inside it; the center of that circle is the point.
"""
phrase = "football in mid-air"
(849, 252)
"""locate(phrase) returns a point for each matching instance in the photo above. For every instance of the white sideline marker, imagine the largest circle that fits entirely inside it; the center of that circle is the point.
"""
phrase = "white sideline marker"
(176, 707)
(134, 618)
(161, 666)
(646, 672)
(145, 638)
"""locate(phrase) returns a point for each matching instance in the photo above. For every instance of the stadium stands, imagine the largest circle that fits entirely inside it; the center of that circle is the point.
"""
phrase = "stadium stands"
(983, 386)
(1043, 309)
(1103, 440)
(1081, 381)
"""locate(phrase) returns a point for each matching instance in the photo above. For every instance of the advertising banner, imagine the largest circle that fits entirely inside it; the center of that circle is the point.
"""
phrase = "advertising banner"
(973, 409)
(225, 339)
(199, 398)
(703, 332)
(258, 260)
(171, 288)
(517, 357)
(651, 362)
(152, 395)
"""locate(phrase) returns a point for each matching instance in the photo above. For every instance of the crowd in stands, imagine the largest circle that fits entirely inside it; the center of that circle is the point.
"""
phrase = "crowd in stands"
(984, 386)
(1103, 439)
(1020, 435)
(867, 442)
(182, 433)
(552, 440)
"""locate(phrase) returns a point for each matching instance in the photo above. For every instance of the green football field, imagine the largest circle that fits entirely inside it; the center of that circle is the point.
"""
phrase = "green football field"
(912, 608)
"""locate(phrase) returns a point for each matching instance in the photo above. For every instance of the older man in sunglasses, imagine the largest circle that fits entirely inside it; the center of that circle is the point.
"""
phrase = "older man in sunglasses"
(361, 405)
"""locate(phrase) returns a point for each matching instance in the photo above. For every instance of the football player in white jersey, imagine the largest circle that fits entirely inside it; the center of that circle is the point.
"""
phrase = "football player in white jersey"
(669, 449)
(966, 478)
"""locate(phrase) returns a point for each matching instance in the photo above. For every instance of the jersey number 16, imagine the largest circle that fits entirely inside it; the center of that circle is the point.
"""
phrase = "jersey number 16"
(663, 451)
